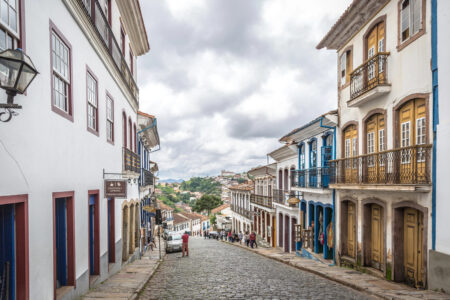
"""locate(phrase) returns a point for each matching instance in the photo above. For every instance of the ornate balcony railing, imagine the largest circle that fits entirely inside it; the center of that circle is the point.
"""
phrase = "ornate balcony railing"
(408, 165)
(147, 178)
(100, 22)
(131, 161)
(369, 75)
(261, 200)
(281, 196)
(311, 178)
(242, 211)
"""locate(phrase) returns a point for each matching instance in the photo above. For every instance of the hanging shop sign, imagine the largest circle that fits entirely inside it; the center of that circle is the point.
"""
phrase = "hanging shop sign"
(115, 188)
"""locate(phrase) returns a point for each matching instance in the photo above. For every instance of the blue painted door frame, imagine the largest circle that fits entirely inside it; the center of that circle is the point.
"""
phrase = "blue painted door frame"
(91, 233)
(61, 241)
(7, 245)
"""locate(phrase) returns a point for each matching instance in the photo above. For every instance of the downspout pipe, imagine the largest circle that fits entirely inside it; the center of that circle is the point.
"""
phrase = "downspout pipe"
(333, 156)
(434, 69)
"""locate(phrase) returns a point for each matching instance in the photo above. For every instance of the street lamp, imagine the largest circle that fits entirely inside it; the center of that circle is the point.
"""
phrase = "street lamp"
(17, 71)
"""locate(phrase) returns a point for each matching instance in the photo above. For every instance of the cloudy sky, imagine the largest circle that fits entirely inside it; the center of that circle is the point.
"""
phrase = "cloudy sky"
(227, 78)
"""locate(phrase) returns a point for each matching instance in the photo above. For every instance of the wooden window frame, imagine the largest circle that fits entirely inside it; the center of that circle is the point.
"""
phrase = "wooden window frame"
(402, 45)
(90, 129)
(71, 267)
(108, 121)
(69, 114)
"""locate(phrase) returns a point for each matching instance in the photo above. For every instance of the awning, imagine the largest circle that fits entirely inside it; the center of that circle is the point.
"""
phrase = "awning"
(148, 130)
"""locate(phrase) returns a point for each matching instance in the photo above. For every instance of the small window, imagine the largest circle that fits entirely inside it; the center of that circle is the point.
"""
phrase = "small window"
(346, 67)
(109, 119)
(405, 142)
(411, 18)
(92, 102)
(61, 74)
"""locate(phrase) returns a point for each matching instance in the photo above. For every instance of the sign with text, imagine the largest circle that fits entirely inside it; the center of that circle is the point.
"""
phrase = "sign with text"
(115, 188)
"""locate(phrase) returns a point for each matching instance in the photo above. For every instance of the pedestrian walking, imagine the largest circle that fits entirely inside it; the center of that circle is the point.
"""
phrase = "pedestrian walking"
(247, 239)
(240, 237)
(184, 247)
(252, 239)
(229, 236)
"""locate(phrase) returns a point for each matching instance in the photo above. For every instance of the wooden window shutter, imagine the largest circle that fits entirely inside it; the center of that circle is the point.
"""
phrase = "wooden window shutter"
(405, 19)
(343, 68)
(416, 10)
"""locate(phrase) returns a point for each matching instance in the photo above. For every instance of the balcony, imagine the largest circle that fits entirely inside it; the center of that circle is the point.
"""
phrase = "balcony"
(282, 196)
(403, 169)
(131, 161)
(315, 178)
(265, 201)
(242, 211)
(147, 178)
(100, 22)
(369, 80)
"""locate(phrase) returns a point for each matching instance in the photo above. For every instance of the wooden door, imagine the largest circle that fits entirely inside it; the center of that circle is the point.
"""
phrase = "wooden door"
(377, 244)
(375, 145)
(412, 132)
(411, 241)
(351, 229)
(350, 150)
(375, 45)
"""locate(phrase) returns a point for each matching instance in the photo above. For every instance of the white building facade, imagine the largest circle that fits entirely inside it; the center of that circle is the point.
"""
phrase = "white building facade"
(383, 176)
(240, 208)
(66, 235)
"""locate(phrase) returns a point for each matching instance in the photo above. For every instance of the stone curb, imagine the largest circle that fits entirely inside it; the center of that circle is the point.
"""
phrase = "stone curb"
(147, 279)
(343, 282)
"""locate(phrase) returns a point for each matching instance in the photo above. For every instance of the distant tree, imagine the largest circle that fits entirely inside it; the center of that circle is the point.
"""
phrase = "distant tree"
(207, 202)
(241, 180)
(212, 220)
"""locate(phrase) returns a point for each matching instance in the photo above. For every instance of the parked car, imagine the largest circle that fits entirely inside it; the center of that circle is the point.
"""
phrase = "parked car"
(214, 235)
(173, 243)
(166, 233)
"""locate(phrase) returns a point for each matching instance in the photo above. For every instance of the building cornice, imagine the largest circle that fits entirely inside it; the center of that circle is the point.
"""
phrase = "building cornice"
(90, 32)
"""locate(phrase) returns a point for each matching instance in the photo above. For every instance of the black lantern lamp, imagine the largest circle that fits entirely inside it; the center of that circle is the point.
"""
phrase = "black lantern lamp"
(17, 71)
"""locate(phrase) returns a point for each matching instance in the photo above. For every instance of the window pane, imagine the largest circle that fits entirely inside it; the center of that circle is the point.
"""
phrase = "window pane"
(12, 19)
(2, 40)
(4, 11)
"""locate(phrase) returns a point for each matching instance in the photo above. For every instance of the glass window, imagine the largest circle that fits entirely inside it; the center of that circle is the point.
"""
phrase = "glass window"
(411, 18)
(109, 119)
(405, 142)
(61, 74)
(420, 138)
(9, 15)
(92, 102)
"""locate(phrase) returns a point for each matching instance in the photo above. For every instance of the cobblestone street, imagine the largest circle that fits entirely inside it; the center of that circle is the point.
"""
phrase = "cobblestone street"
(217, 270)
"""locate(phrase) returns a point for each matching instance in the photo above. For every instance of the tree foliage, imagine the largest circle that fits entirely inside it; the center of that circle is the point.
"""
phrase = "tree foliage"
(203, 185)
(207, 202)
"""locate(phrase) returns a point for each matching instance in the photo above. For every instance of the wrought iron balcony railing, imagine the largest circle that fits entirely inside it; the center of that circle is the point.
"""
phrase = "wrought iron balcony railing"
(100, 22)
(281, 196)
(408, 165)
(311, 178)
(369, 75)
(147, 178)
(131, 161)
(242, 211)
(261, 200)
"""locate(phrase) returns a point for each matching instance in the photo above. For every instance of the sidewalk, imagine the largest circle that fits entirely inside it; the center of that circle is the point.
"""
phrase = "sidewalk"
(131, 279)
(359, 281)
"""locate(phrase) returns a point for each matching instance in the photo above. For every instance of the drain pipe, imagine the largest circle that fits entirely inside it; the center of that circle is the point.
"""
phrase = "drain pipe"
(434, 67)
(333, 156)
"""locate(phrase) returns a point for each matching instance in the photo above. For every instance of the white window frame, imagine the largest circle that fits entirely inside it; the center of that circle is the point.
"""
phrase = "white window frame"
(411, 15)
(371, 67)
(381, 146)
(92, 102)
(421, 138)
(109, 119)
(405, 138)
(61, 76)
(344, 68)
(371, 148)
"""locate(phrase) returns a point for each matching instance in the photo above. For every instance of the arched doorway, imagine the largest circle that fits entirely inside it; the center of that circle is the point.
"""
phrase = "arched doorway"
(286, 233)
(125, 230)
(348, 228)
(350, 150)
(374, 235)
(410, 244)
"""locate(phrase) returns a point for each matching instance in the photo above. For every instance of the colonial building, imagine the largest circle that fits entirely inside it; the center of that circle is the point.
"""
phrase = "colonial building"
(264, 219)
(181, 223)
(240, 207)
(287, 214)
(383, 169)
(316, 148)
(77, 125)
(439, 266)
(166, 214)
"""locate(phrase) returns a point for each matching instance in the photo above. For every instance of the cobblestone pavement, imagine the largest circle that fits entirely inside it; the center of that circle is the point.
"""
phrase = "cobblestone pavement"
(216, 270)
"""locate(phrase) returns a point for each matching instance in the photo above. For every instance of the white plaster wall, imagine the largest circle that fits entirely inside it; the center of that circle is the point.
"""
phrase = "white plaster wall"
(443, 130)
(42, 152)
(287, 163)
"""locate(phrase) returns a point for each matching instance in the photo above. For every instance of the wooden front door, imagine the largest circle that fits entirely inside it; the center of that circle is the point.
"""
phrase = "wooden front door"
(375, 144)
(412, 129)
(413, 241)
(274, 231)
(350, 150)
(351, 229)
(375, 45)
(377, 241)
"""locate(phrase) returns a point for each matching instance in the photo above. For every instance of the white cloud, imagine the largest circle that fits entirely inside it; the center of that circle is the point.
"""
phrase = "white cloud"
(226, 79)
